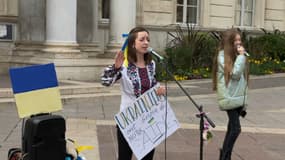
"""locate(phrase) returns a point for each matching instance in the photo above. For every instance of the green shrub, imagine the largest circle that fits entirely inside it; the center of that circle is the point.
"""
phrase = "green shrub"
(189, 54)
(267, 65)
(190, 50)
(271, 44)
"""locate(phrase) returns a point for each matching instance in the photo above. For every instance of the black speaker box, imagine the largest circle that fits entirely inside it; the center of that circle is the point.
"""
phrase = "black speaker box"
(44, 138)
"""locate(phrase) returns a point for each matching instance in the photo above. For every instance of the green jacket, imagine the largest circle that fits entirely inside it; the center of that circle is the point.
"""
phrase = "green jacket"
(234, 95)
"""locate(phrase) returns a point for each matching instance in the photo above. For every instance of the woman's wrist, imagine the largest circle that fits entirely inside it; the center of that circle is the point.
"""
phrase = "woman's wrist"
(117, 68)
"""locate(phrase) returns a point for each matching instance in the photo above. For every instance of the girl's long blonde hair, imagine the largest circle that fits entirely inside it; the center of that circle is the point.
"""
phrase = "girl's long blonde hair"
(230, 54)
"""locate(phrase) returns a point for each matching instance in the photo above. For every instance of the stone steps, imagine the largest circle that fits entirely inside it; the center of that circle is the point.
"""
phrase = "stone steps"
(71, 91)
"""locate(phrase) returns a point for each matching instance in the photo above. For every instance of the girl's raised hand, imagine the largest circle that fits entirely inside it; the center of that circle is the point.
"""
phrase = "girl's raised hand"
(119, 59)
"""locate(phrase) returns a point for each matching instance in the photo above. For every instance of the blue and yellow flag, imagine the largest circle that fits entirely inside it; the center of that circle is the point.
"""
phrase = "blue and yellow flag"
(125, 49)
(35, 89)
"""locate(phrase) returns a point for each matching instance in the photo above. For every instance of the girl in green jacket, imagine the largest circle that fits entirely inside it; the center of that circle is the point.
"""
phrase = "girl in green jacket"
(230, 78)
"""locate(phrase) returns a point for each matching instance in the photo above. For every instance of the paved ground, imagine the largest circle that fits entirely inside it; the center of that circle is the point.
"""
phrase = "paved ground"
(90, 122)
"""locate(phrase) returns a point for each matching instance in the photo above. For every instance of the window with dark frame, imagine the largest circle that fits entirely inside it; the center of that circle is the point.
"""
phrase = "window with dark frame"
(187, 11)
(6, 32)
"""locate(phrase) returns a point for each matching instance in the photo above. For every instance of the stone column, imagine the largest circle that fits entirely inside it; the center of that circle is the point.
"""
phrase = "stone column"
(61, 45)
(61, 30)
(95, 47)
(122, 20)
(61, 21)
(95, 21)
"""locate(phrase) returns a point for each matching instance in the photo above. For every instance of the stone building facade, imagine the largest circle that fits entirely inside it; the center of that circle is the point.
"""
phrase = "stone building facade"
(81, 36)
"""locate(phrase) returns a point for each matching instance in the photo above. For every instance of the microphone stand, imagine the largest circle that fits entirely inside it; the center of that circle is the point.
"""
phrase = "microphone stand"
(201, 113)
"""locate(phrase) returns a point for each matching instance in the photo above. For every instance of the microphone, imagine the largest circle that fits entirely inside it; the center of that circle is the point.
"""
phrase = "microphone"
(150, 50)
(246, 54)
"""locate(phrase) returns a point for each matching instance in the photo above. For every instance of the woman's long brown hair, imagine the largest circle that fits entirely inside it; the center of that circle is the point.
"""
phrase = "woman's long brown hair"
(230, 54)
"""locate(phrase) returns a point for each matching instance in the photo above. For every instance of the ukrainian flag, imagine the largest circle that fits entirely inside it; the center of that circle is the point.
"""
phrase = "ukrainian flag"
(125, 50)
(35, 89)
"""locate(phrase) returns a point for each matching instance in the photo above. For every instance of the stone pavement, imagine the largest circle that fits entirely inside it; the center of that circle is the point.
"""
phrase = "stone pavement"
(90, 114)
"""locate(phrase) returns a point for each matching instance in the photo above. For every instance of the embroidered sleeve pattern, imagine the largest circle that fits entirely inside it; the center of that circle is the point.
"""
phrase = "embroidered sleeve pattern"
(152, 74)
(110, 75)
(132, 72)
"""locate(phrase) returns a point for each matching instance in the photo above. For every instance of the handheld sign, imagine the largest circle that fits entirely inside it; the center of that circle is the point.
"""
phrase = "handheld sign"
(143, 123)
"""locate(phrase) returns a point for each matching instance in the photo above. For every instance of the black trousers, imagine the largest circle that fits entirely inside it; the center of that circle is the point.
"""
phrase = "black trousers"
(233, 131)
(125, 152)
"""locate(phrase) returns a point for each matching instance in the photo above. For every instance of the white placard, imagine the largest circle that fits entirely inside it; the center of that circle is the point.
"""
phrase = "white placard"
(143, 123)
